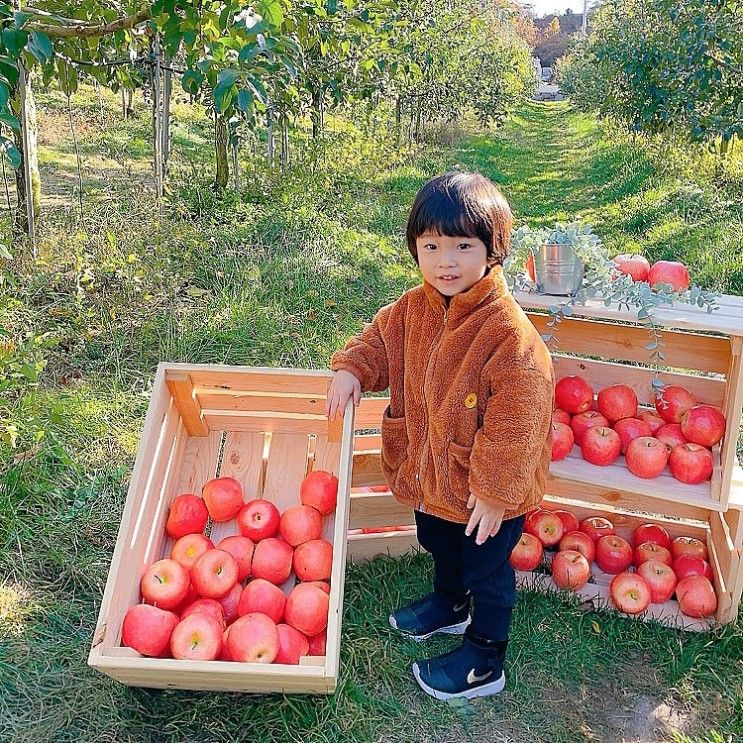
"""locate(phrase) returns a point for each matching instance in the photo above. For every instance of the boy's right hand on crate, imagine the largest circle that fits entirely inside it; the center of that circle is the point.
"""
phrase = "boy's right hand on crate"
(343, 387)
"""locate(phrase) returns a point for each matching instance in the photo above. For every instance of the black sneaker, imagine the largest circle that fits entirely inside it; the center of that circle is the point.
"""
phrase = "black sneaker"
(432, 615)
(474, 669)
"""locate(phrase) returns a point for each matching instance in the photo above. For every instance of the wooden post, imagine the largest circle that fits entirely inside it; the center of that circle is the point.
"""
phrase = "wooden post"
(30, 215)
(157, 136)
(165, 125)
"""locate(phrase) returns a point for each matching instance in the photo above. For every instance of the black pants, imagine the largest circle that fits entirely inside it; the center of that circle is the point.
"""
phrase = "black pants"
(461, 565)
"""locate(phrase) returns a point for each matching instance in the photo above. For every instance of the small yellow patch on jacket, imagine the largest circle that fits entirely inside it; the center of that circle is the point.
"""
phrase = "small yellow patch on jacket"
(470, 401)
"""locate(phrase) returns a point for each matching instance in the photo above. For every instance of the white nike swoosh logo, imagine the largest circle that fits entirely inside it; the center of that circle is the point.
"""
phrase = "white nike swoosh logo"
(472, 677)
(461, 606)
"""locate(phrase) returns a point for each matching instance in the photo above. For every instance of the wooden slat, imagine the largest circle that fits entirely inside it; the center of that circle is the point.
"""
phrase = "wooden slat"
(726, 554)
(601, 374)
(627, 343)
(378, 509)
(226, 420)
(242, 458)
(285, 469)
(367, 442)
(369, 412)
(686, 317)
(181, 388)
(362, 547)
(260, 379)
(731, 408)
(264, 403)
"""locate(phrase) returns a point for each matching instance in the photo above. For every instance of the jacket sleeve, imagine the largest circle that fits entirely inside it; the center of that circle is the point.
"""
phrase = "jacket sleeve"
(508, 450)
(365, 354)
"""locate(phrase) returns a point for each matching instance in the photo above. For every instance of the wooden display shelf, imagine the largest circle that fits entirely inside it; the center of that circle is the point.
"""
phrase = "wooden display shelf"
(190, 437)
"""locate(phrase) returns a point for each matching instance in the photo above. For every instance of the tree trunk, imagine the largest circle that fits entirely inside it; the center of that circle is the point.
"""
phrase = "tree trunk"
(398, 118)
(221, 140)
(284, 141)
(269, 134)
(20, 218)
(167, 90)
(236, 165)
(316, 116)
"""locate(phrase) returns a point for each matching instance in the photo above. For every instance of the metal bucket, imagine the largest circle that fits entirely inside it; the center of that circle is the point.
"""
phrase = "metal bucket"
(557, 269)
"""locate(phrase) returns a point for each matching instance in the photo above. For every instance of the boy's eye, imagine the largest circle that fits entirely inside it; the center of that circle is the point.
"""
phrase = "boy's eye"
(429, 246)
(463, 246)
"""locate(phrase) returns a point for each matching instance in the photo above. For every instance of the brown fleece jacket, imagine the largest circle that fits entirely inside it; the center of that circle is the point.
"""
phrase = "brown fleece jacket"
(471, 397)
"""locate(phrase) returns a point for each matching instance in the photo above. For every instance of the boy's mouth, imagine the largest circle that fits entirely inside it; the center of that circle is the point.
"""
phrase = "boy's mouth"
(448, 277)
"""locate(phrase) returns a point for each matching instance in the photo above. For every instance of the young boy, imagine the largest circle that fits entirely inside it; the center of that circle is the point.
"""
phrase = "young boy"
(466, 436)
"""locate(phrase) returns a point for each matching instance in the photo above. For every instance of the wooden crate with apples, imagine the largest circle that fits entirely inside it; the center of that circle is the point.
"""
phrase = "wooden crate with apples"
(607, 346)
(266, 429)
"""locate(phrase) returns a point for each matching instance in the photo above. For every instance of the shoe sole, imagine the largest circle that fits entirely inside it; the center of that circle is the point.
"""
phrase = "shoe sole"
(486, 690)
(452, 629)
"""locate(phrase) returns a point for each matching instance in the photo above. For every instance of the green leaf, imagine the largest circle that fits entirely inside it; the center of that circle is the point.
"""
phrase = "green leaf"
(248, 52)
(7, 118)
(4, 94)
(13, 154)
(5, 254)
(191, 81)
(14, 40)
(40, 45)
(271, 12)
(245, 100)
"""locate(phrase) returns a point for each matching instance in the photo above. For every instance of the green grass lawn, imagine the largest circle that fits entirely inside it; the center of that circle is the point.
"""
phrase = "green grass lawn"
(280, 277)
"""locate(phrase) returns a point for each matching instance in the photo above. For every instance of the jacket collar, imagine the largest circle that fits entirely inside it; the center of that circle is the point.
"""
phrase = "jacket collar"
(489, 287)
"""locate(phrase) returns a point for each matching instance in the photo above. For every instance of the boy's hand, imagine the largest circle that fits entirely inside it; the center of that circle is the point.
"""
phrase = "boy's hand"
(486, 516)
(344, 386)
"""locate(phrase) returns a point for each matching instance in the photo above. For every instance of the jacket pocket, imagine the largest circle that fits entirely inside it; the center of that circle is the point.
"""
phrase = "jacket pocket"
(459, 470)
(394, 444)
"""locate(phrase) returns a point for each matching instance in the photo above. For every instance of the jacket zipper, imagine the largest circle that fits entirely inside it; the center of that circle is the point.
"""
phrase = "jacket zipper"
(420, 477)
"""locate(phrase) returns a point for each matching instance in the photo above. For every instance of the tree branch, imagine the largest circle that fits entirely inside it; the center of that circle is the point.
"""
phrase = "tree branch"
(88, 30)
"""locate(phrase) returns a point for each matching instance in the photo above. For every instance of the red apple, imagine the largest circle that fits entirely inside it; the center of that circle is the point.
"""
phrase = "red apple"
(187, 515)
(241, 548)
(229, 603)
(313, 560)
(264, 597)
(272, 560)
(225, 653)
(561, 416)
(300, 524)
(691, 464)
(319, 490)
(686, 565)
(696, 596)
(617, 401)
(613, 554)
(670, 435)
(652, 419)
(636, 266)
(253, 638)
(546, 527)
(573, 394)
(570, 570)
(189, 548)
(196, 637)
(529, 265)
(562, 441)
(258, 519)
(223, 497)
(214, 574)
(569, 520)
(654, 533)
(672, 401)
(292, 645)
(317, 644)
(580, 542)
(597, 527)
(646, 457)
(527, 554)
(307, 609)
(660, 578)
(630, 593)
(601, 446)
(703, 425)
(147, 629)
(585, 422)
(322, 584)
(207, 606)
(689, 546)
(165, 584)
(630, 429)
(649, 551)
(671, 273)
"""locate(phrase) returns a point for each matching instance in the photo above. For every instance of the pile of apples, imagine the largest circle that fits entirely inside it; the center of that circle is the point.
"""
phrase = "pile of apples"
(197, 603)
(680, 432)
(668, 273)
(650, 570)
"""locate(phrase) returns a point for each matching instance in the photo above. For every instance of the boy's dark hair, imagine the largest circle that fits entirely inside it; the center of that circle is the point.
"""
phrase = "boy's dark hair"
(462, 204)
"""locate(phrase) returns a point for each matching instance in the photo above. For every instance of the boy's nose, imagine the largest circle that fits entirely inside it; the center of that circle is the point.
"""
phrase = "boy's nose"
(446, 259)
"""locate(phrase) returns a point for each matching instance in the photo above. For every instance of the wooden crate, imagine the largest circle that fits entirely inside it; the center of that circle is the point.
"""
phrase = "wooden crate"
(602, 344)
(264, 427)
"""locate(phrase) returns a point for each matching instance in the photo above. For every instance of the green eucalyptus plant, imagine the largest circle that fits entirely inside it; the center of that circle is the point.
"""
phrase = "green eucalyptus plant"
(602, 280)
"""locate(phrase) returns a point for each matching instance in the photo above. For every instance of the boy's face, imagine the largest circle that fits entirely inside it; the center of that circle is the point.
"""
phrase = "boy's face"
(451, 264)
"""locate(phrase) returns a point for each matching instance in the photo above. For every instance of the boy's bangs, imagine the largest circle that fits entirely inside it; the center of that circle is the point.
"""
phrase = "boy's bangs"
(440, 214)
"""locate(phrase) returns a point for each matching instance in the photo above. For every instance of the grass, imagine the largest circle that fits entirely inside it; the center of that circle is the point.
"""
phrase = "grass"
(281, 276)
